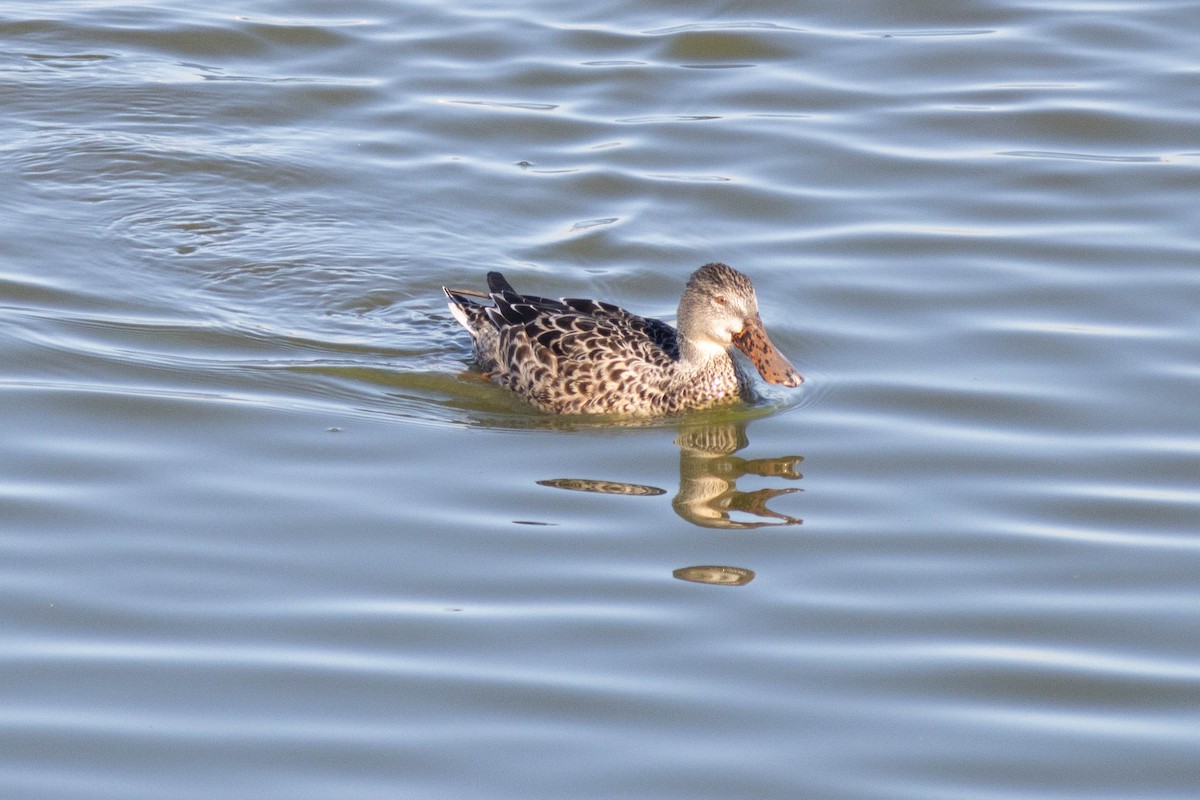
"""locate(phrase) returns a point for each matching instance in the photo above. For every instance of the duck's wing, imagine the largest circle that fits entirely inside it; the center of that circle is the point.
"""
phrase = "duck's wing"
(659, 333)
(571, 356)
(568, 355)
(582, 330)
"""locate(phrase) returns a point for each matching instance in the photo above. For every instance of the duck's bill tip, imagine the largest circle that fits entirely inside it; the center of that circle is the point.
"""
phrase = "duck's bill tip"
(783, 374)
(767, 359)
(793, 380)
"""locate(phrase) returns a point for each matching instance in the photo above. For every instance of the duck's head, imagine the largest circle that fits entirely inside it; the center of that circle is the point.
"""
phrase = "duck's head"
(719, 309)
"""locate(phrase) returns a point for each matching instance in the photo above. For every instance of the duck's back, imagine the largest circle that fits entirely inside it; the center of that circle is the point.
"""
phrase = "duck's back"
(581, 356)
(572, 356)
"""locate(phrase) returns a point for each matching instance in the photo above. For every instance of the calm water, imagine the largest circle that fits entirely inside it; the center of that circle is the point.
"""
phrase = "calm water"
(263, 534)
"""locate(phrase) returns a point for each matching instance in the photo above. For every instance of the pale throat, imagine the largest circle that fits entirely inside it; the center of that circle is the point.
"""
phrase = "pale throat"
(704, 350)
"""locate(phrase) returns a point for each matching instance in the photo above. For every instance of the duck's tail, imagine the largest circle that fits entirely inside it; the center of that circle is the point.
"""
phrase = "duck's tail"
(498, 285)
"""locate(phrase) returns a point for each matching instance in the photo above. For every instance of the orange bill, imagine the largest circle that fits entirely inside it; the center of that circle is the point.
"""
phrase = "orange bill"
(769, 362)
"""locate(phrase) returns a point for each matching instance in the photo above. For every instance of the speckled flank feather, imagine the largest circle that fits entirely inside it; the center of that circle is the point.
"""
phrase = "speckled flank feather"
(573, 356)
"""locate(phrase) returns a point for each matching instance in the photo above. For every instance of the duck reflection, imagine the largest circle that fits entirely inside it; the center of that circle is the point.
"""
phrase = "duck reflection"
(602, 487)
(708, 474)
(715, 575)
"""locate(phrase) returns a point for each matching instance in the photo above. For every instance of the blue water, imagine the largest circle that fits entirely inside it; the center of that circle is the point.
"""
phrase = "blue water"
(265, 534)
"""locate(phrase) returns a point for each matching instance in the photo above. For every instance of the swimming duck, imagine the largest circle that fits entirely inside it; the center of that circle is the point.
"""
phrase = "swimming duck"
(573, 356)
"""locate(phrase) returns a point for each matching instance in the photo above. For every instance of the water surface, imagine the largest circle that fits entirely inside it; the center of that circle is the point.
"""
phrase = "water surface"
(265, 534)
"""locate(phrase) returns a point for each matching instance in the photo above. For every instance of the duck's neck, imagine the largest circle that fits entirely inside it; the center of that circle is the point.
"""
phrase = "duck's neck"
(708, 370)
(698, 357)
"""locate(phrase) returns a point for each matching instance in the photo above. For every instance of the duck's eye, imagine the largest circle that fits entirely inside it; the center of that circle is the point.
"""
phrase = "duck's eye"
(720, 299)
